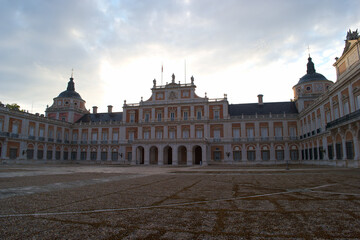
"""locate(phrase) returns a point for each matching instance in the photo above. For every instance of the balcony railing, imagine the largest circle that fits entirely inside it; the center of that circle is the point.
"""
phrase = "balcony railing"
(73, 142)
(344, 119)
(104, 142)
(4, 134)
(50, 139)
(14, 135)
(41, 139)
(83, 142)
(114, 141)
(31, 137)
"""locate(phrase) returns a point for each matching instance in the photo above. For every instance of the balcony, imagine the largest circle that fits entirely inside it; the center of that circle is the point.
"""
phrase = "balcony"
(84, 142)
(236, 139)
(318, 130)
(4, 134)
(14, 135)
(31, 137)
(93, 142)
(250, 139)
(312, 133)
(216, 140)
(50, 140)
(59, 141)
(279, 138)
(73, 142)
(347, 118)
(114, 141)
(104, 142)
(41, 139)
(67, 141)
(264, 138)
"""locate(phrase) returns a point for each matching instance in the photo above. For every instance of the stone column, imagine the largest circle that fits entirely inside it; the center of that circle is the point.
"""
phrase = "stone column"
(189, 160)
(326, 155)
(133, 155)
(146, 155)
(88, 151)
(356, 147)
(243, 152)
(334, 148)
(272, 152)
(160, 155)
(204, 155)
(341, 110)
(343, 143)
(351, 98)
(175, 155)
(257, 153)
(4, 150)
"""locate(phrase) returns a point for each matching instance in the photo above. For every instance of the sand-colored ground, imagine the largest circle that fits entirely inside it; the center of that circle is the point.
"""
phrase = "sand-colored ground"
(213, 202)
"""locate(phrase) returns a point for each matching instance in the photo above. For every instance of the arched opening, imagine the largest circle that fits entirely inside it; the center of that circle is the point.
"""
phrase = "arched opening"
(251, 154)
(197, 155)
(265, 153)
(58, 153)
(294, 153)
(279, 152)
(168, 155)
(330, 148)
(30, 151)
(114, 154)
(237, 154)
(153, 155)
(139, 155)
(338, 147)
(182, 155)
(349, 146)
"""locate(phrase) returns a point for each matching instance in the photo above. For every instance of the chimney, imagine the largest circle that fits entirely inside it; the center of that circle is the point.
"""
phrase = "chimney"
(95, 109)
(260, 99)
(110, 108)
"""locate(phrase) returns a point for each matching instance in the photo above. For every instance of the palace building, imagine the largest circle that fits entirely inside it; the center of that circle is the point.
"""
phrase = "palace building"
(175, 126)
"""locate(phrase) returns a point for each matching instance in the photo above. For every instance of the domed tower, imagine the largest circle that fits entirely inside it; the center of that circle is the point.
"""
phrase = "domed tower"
(68, 106)
(310, 87)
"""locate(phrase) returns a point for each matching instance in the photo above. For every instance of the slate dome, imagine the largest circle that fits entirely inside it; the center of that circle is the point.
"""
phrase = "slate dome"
(70, 91)
(311, 74)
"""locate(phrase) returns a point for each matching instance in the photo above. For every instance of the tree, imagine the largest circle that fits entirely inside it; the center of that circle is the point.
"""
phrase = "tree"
(13, 106)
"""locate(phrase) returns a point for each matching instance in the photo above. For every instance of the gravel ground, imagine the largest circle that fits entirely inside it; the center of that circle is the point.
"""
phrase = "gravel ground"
(213, 202)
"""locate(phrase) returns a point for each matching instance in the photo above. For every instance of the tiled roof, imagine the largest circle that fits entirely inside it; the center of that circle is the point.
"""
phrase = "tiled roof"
(262, 109)
(101, 117)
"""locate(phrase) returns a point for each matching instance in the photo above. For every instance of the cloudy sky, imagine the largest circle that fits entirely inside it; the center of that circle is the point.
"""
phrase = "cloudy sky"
(117, 47)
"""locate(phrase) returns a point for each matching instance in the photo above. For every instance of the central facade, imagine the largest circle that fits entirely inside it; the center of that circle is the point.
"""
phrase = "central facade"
(175, 126)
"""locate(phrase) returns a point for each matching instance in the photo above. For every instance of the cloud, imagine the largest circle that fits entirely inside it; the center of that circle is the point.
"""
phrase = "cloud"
(41, 41)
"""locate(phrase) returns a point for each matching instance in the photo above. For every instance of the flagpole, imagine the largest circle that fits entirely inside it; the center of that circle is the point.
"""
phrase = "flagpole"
(162, 71)
(185, 70)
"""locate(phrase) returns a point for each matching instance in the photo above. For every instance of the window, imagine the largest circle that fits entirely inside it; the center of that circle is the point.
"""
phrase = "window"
(172, 116)
(159, 115)
(251, 155)
(147, 117)
(294, 155)
(278, 132)
(41, 132)
(185, 115)
(217, 155)
(236, 133)
(31, 130)
(51, 133)
(264, 132)
(66, 136)
(292, 132)
(328, 117)
(1, 125)
(131, 136)
(357, 102)
(83, 155)
(159, 134)
(250, 133)
(217, 134)
(279, 154)
(216, 114)
(115, 136)
(172, 134)
(104, 136)
(15, 128)
(132, 117)
(265, 155)
(186, 133)
(75, 136)
(237, 155)
(94, 136)
(58, 135)
(84, 136)
(346, 108)
(336, 113)
(146, 135)
(199, 133)
(198, 115)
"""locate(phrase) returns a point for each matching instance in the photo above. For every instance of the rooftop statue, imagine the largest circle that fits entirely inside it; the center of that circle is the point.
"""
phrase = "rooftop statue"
(352, 35)
(173, 78)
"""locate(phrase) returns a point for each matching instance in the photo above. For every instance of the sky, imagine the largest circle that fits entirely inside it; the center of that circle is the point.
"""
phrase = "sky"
(117, 47)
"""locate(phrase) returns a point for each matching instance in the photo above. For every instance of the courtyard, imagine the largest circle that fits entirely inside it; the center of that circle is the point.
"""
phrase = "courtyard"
(63, 201)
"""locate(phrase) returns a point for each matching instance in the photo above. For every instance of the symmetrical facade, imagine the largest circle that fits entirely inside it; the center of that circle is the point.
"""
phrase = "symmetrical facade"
(175, 126)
